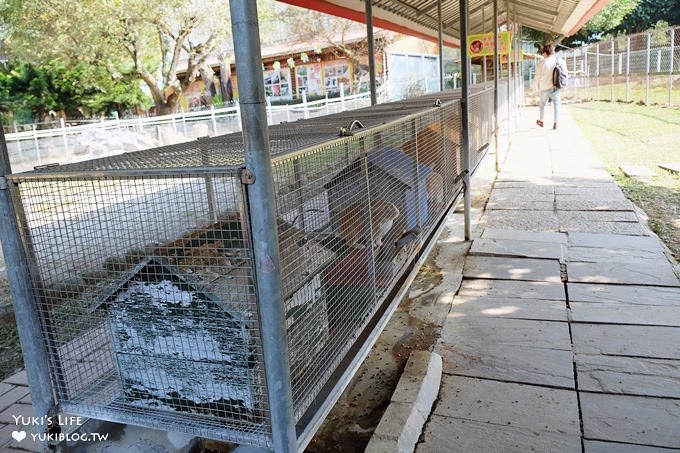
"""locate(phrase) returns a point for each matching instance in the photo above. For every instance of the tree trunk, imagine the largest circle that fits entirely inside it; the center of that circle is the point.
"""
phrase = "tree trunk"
(168, 107)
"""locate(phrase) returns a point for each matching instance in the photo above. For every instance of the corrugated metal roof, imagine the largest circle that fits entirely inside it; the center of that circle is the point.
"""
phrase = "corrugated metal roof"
(421, 18)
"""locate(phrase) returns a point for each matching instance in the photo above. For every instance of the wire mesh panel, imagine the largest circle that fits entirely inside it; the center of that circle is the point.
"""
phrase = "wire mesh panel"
(481, 124)
(147, 300)
(142, 262)
(355, 213)
(643, 67)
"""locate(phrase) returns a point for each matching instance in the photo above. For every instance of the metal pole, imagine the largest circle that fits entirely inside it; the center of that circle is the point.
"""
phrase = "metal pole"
(441, 45)
(63, 133)
(25, 309)
(597, 70)
(484, 31)
(628, 69)
(213, 120)
(37, 146)
(611, 91)
(342, 97)
(586, 73)
(507, 26)
(649, 49)
(305, 107)
(670, 70)
(574, 59)
(464, 116)
(21, 154)
(495, 83)
(261, 203)
(371, 49)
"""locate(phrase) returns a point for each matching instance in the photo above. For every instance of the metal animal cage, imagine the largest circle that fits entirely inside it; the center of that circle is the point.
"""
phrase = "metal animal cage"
(142, 263)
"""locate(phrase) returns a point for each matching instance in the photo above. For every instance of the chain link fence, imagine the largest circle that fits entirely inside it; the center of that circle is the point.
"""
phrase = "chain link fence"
(643, 68)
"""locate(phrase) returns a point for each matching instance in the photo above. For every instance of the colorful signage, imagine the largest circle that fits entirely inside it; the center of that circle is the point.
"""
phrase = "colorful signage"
(482, 44)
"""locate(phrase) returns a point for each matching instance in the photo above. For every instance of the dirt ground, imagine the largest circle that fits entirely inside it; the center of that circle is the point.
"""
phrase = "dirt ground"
(10, 351)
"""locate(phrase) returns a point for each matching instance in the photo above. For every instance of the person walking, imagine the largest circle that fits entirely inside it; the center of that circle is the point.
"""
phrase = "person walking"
(544, 86)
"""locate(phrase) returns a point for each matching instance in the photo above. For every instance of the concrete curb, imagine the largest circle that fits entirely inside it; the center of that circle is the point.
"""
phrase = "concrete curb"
(402, 423)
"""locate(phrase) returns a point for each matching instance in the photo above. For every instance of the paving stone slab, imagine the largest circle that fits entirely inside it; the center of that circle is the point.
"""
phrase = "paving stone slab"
(513, 332)
(533, 236)
(505, 307)
(527, 365)
(602, 255)
(519, 205)
(512, 289)
(618, 313)
(4, 387)
(508, 404)
(445, 434)
(628, 294)
(521, 220)
(509, 195)
(525, 185)
(631, 341)
(614, 241)
(502, 268)
(628, 375)
(13, 396)
(619, 228)
(673, 167)
(19, 378)
(594, 446)
(609, 188)
(638, 272)
(568, 182)
(597, 216)
(637, 170)
(565, 203)
(631, 419)
(604, 197)
(7, 416)
(514, 248)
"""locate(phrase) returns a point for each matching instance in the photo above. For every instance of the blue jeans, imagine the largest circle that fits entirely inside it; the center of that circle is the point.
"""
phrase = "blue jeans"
(551, 93)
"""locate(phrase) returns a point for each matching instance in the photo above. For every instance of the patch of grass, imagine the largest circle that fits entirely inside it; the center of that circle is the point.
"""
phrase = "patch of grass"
(630, 134)
(11, 359)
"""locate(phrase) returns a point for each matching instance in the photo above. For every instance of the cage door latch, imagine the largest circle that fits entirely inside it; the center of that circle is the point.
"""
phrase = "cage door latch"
(247, 176)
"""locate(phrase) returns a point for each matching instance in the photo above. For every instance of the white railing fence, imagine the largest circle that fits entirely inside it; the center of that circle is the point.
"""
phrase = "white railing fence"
(66, 143)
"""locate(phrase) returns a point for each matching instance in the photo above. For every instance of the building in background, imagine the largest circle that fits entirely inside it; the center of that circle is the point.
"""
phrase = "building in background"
(410, 64)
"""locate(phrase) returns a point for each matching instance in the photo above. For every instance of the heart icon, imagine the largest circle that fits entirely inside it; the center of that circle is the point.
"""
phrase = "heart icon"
(19, 435)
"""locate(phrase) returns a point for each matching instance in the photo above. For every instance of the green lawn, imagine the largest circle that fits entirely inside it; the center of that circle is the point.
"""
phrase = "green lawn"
(630, 134)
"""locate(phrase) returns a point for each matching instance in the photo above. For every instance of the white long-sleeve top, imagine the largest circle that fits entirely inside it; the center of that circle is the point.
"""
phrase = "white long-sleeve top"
(544, 73)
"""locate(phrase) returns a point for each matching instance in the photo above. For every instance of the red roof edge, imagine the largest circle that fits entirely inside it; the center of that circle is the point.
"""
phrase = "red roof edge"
(596, 8)
(348, 13)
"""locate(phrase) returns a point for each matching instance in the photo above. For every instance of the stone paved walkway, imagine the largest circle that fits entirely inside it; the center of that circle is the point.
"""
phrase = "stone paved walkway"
(565, 333)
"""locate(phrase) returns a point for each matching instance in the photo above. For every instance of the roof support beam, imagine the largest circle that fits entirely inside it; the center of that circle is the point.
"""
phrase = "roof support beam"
(371, 49)
(265, 243)
(464, 117)
(495, 84)
(441, 46)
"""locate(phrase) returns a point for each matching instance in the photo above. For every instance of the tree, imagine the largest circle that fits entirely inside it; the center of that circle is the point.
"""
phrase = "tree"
(648, 13)
(147, 40)
(604, 22)
(312, 26)
(31, 93)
